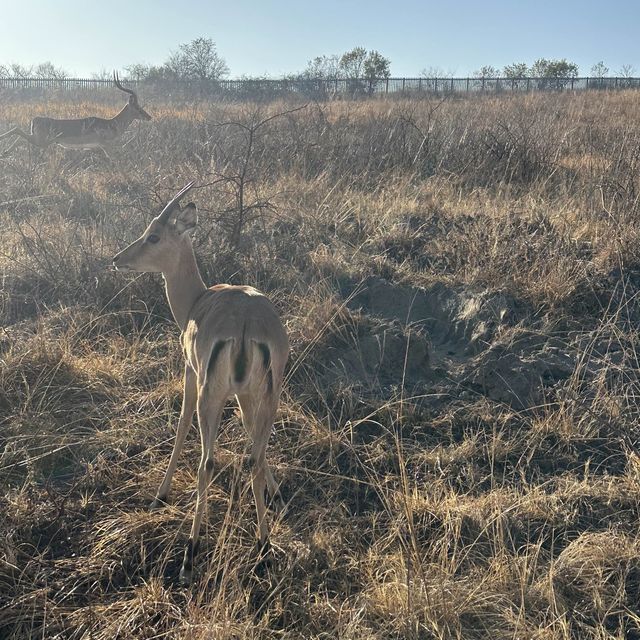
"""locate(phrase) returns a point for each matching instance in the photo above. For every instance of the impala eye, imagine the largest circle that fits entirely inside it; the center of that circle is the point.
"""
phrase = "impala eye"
(153, 238)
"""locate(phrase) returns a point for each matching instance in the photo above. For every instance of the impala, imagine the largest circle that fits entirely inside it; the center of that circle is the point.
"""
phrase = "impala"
(81, 133)
(234, 344)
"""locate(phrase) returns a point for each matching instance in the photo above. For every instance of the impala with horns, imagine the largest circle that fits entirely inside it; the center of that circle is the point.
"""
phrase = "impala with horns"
(234, 345)
(81, 133)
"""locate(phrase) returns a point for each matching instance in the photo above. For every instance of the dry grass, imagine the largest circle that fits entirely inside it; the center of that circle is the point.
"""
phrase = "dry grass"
(457, 441)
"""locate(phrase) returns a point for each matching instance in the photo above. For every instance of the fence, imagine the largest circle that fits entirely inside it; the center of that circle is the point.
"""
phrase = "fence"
(321, 87)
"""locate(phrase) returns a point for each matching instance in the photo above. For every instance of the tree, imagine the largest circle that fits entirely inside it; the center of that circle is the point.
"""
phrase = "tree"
(138, 71)
(18, 71)
(357, 64)
(435, 72)
(197, 60)
(360, 65)
(487, 71)
(43, 70)
(515, 70)
(627, 71)
(376, 66)
(599, 70)
(543, 68)
(361, 69)
(49, 70)
(553, 74)
(103, 74)
(352, 63)
(163, 72)
(325, 67)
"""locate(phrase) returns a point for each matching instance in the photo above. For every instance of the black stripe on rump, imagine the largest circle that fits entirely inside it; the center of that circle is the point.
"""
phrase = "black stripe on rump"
(266, 363)
(240, 370)
(213, 358)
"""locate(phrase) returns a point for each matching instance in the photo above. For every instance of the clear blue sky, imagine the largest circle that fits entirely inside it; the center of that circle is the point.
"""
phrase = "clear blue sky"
(262, 37)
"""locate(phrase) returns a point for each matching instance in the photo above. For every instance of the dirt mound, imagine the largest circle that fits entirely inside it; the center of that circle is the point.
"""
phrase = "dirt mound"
(462, 321)
(372, 353)
(476, 343)
(519, 372)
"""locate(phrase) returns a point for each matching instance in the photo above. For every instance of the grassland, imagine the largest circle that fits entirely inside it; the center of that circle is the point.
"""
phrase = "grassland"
(458, 438)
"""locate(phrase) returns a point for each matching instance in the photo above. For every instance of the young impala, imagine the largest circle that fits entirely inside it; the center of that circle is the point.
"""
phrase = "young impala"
(81, 133)
(234, 344)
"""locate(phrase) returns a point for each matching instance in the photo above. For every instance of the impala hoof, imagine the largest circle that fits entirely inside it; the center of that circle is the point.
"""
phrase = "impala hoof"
(158, 503)
(186, 576)
(186, 572)
(264, 558)
(276, 502)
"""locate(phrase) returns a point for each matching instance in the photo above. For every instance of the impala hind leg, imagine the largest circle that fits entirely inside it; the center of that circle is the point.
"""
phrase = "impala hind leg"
(186, 417)
(209, 405)
(258, 485)
(11, 147)
(16, 131)
(19, 133)
(258, 415)
(276, 501)
(29, 137)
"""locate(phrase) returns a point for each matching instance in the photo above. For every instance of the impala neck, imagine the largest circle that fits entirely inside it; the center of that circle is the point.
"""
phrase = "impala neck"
(124, 118)
(184, 285)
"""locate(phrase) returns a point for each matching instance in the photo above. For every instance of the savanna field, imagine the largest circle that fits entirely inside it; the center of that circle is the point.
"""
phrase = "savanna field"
(457, 441)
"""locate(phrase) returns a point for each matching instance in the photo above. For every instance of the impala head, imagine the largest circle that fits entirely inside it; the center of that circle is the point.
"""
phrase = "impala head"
(136, 110)
(159, 248)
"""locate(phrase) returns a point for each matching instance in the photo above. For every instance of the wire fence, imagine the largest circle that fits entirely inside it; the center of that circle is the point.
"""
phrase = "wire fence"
(320, 87)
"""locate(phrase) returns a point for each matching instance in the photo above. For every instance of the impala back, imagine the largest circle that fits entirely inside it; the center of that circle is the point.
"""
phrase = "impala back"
(79, 133)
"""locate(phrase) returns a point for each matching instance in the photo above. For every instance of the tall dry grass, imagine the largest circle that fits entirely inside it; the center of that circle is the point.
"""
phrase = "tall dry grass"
(474, 475)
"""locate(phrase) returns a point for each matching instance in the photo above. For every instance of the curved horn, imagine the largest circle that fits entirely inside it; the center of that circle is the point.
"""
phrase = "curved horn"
(117, 81)
(166, 212)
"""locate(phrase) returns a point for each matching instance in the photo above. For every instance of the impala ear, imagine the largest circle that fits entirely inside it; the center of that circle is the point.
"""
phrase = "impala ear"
(186, 218)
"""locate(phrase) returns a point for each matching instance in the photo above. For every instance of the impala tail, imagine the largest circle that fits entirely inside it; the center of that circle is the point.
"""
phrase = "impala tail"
(247, 358)
(252, 358)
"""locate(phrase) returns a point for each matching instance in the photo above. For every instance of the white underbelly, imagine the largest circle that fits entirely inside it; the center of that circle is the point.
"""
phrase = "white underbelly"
(80, 145)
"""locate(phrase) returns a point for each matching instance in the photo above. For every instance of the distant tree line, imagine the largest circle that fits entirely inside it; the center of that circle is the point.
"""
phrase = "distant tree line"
(549, 69)
(199, 60)
(42, 70)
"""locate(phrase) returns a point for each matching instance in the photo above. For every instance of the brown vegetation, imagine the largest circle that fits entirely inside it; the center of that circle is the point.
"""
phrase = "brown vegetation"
(457, 442)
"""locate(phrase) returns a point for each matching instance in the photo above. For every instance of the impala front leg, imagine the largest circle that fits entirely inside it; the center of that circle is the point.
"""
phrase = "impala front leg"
(186, 417)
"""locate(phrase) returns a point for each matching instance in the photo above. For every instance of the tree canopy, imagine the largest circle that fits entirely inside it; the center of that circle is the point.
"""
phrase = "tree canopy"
(541, 68)
(45, 70)
(356, 64)
(195, 60)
